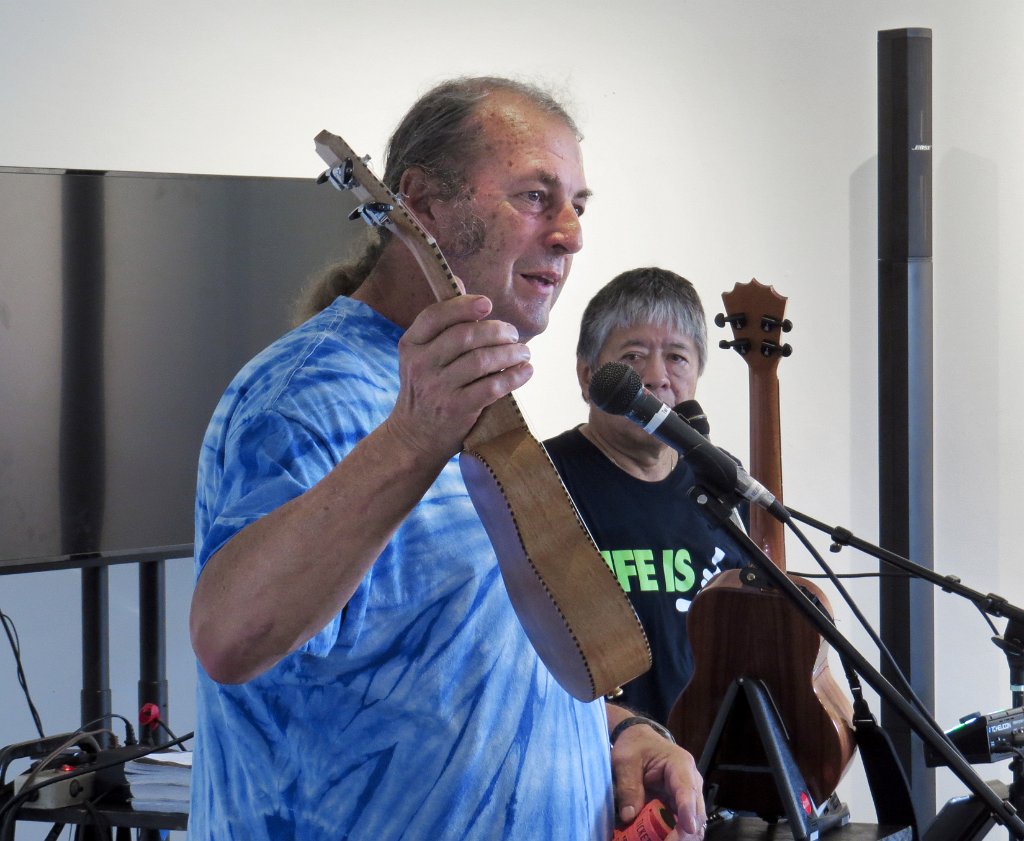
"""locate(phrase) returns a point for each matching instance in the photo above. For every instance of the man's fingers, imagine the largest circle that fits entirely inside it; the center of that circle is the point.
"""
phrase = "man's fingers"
(437, 318)
(691, 815)
(450, 330)
(454, 362)
(629, 789)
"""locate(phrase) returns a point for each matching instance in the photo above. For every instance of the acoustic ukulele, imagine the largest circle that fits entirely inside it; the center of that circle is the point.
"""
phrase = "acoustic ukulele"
(741, 627)
(568, 601)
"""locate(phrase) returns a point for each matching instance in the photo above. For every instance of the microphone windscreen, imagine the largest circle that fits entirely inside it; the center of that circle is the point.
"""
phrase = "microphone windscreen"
(691, 412)
(614, 386)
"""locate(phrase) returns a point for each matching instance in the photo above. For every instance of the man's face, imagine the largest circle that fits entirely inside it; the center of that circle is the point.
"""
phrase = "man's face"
(517, 223)
(666, 360)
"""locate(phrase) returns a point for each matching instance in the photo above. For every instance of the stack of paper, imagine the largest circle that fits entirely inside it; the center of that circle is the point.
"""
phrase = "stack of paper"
(160, 782)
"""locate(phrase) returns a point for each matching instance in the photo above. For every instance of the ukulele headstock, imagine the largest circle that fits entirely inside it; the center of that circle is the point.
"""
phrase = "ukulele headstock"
(756, 313)
(381, 208)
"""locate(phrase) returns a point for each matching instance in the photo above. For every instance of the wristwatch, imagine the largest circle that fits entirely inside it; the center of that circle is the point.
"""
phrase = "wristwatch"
(639, 719)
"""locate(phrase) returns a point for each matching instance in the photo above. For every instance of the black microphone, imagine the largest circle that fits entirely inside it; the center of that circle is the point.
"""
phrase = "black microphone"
(617, 389)
(691, 412)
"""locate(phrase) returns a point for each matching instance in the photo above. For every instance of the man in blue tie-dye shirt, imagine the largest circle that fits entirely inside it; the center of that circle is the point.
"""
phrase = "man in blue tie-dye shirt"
(361, 671)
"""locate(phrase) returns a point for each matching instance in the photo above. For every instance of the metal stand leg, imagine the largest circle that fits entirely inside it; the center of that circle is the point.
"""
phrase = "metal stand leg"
(750, 698)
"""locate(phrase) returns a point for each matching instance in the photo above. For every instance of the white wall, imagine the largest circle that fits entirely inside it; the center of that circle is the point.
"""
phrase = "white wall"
(725, 139)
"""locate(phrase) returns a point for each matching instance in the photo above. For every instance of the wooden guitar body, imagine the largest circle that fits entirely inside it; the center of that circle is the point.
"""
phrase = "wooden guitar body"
(577, 617)
(742, 628)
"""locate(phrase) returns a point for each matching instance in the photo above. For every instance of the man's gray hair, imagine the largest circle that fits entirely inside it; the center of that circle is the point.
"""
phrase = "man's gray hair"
(433, 134)
(643, 296)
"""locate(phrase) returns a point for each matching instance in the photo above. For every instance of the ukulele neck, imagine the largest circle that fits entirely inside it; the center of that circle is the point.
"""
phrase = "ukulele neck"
(756, 313)
(766, 461)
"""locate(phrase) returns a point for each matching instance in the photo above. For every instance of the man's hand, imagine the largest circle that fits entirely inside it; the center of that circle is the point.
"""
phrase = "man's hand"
(646, 765)
(454, 363)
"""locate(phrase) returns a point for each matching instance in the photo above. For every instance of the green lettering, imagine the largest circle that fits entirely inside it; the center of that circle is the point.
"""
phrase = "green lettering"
(684, 568)
(646, 575)
(667, 559)
(622, 560)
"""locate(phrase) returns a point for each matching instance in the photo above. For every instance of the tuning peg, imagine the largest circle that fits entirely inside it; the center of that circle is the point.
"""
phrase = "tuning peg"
(339, 175)
(374, 213)
(738, 321)
(770, 323)
(741, 346)
(769, 349)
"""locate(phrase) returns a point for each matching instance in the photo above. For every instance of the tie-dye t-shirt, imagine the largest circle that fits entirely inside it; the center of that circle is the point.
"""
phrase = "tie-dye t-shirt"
(421, 711)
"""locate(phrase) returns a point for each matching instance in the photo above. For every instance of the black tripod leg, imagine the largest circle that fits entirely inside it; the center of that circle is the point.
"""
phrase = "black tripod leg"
(796, 800)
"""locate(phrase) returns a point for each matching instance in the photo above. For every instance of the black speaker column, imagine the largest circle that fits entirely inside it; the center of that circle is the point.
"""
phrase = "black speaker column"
(905, 376)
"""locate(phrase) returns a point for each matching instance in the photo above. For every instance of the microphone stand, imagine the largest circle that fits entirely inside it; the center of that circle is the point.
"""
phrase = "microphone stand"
(719, 511)
(1011, 642)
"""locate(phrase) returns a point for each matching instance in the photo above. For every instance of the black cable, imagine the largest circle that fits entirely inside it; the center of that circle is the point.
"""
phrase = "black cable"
(981, 610)
(12, 636)
(171, 734)
(895, 574)
(852, 574)
(907, 689)
(987, 618)
(129, 731)
(100, 823)
(54, 832)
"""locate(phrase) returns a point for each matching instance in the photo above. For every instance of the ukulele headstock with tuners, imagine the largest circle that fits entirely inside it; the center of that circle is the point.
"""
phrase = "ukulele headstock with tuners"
(383, 209)
(756, 313)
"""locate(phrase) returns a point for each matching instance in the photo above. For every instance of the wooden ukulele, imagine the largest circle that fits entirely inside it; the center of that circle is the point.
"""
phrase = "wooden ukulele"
(572, 608)
(741, 627)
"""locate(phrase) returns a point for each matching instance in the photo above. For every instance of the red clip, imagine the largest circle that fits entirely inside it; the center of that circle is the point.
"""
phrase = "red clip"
(149, 716)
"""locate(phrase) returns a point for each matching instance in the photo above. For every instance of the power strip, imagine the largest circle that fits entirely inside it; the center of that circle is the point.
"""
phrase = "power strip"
(57, 794)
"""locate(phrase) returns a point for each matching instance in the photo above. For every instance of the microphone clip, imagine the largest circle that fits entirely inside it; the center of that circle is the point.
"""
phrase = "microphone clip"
(718, 509)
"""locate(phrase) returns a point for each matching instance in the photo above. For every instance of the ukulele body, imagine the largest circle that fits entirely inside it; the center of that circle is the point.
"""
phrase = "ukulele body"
(748, 631)
(573, 610)
(740, 628)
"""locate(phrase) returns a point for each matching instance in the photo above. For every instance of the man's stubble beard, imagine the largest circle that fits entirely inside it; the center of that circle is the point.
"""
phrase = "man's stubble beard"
(469, 234)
